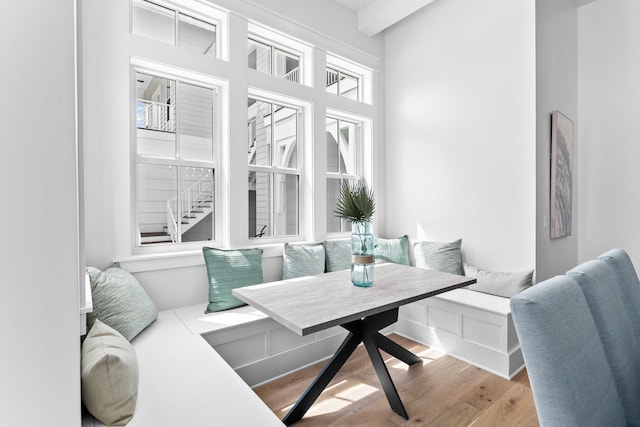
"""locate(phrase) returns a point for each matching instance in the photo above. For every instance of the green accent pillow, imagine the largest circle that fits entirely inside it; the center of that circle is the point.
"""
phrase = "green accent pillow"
(338, 254)
(228, 270)
(109, 375)
(392, 250)
(502, 284)
(302, 260)
(441, 256)
(120, 301)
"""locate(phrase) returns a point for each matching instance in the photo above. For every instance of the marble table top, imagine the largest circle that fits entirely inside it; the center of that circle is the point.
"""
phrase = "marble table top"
(312, 303)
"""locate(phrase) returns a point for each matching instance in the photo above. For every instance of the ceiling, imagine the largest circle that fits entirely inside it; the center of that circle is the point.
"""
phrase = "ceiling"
(375, 16)
(356, 5)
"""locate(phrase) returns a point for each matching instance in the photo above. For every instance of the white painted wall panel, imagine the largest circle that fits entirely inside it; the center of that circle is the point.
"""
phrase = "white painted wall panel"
(460, 129)
(557, 89)
(608, 93)
(39, 318)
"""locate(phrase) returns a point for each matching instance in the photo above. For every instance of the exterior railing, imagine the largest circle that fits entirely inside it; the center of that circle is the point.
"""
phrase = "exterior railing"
(191, 198)
(172, 224)
(156, 116)
(332, 77)
(292, 75)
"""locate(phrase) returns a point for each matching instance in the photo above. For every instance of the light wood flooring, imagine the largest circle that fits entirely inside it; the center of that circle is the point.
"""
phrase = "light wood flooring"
(440, 391)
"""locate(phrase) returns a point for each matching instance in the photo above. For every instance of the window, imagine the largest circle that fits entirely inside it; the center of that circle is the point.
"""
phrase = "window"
(343, 84)
(167, 25)
(349, 79)
(175, 167)
(274, 172)
(343, 159)
(273, 60)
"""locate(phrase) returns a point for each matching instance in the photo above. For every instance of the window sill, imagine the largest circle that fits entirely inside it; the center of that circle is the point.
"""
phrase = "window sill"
(190, 258)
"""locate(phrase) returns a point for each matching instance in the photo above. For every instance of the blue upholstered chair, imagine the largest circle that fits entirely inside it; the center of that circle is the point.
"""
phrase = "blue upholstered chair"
(602, 292)
(570, 377)
(628, 284)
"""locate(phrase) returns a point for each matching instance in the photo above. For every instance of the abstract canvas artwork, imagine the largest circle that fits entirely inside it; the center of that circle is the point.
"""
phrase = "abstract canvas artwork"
(561, 175)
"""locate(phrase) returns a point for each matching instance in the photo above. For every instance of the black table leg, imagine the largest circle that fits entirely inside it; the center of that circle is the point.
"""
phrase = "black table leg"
(322, 380)
(383, 375)
(395, 349)
(367, 331)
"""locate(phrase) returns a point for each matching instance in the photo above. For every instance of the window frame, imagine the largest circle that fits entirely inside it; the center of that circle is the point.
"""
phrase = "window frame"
(287, 44)
(207, 13)
(272, 169)
(358, 167)
(273, 48)
(219, 88)
(363, 74)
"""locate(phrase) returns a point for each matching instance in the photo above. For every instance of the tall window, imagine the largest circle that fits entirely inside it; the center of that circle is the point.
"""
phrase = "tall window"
(343, 163)
(175, 164)
(274, 172)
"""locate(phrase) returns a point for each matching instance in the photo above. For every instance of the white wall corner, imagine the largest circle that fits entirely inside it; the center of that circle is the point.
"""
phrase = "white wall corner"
(382, 14)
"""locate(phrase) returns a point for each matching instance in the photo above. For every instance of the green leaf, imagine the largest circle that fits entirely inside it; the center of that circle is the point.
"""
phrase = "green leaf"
(356, 202)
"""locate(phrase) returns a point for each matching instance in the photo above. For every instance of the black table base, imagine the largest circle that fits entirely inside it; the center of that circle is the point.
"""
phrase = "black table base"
(364, 330)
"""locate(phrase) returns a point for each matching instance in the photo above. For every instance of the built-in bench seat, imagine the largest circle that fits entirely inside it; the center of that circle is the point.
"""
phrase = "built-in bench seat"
(256, 346)
(472, 326)
(183, 381)
(196, 367)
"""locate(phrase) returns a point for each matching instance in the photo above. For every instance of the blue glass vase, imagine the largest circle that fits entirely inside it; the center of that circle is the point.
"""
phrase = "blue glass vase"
(362, 259)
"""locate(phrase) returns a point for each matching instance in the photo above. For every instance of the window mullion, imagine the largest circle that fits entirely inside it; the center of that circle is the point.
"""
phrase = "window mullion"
(179, 205)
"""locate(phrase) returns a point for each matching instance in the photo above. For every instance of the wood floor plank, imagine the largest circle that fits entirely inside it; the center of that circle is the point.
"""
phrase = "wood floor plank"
(439, 391)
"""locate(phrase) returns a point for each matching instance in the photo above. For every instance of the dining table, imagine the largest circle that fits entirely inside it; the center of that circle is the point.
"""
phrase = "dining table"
(309, 304)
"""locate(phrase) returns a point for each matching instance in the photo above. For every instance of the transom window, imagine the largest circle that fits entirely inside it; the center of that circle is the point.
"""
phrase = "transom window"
(175, 167)
(343, 84)
(168, 25)
(343, 163)
(273, 60)
(274, 172)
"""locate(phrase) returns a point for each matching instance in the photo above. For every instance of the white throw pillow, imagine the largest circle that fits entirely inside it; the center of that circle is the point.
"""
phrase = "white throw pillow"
(109, 375)
(499, 283)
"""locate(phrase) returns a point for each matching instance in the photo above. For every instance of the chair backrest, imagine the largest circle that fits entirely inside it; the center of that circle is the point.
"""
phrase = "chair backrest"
(570, 378)
(628, 284)
(601, 291)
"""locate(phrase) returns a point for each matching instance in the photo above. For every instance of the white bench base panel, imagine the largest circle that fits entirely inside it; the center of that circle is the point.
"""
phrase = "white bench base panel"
(468, 325)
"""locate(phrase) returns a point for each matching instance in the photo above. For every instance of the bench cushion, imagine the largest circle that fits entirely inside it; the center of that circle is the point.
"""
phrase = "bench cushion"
(185, 382)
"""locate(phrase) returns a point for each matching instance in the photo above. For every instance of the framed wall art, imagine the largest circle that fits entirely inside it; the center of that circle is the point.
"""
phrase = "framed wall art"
(561, 175)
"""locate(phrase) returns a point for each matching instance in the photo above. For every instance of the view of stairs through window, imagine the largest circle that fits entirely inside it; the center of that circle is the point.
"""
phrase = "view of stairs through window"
(194, 212)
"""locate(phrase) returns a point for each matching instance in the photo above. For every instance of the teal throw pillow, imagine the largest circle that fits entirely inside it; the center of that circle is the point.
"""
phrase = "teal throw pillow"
(302, 260)
(228, 270)
(441, 256)
(337, 254)
(120, 301)
(109, 375)
(392, 250)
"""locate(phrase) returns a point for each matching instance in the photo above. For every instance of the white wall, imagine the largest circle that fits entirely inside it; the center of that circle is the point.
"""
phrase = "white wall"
(39, 321)
(608, 93)
(556, 89)
(460, 129)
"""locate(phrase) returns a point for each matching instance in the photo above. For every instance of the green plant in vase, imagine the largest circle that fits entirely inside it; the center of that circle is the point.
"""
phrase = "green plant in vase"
(356, 204)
